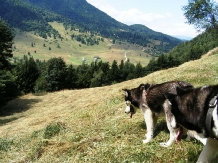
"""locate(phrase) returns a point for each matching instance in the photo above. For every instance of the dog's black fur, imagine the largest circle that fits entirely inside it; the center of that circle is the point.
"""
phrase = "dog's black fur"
(154, 94)
(150, 99)
(190, 107)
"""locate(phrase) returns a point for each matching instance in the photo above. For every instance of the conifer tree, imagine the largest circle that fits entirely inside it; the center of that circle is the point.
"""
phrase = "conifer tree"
(27, 73)
(6, 38)
(8, 89)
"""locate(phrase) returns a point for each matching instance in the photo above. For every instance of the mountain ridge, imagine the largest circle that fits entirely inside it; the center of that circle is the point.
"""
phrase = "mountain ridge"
(81, 15)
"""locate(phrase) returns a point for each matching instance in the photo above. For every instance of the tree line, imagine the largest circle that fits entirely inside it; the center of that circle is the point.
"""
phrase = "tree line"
(55, 74)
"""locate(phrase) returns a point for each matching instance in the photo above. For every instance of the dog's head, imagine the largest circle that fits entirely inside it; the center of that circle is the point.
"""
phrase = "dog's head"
(129, 101)
(132, 98)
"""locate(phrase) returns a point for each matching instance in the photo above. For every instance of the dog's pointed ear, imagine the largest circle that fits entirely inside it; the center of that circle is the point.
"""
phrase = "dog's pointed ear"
(125, 92)
(147, 85)
(142, 87)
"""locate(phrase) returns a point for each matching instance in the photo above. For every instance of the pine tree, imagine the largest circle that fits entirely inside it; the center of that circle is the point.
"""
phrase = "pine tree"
(8, 89)
(55, 74)
(27, 73)
(6, 38)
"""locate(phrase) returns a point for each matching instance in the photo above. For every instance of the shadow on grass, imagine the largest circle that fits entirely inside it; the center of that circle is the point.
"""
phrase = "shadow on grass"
(193, 156)
(4, 121)
(17, 106)
(160, 126)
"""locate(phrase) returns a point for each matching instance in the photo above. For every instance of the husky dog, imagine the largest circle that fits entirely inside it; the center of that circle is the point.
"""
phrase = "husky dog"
(150, 99)
(195, 109)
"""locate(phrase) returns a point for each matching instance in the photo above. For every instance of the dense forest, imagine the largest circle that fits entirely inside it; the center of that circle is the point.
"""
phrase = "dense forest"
(186, 51)
(78, 14)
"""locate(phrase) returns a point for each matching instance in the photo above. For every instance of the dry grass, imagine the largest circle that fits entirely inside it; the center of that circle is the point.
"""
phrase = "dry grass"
(89, 125)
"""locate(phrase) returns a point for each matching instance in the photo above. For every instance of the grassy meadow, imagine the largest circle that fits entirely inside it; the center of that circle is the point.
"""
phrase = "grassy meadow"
(73, 51)
(89, 125)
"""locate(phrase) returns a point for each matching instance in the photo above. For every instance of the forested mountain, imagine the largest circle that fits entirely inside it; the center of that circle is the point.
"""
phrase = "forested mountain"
(34, 15)
(185, 51)
(145, 31)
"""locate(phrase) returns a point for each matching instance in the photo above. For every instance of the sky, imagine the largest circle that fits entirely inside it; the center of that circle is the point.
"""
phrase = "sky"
(165, 16)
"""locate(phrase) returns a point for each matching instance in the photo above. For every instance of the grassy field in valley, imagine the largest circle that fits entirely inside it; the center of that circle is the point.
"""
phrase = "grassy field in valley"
(89, 125)
(73, 51)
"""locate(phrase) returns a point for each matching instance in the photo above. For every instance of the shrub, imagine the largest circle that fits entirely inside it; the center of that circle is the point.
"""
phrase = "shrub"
(52, 130)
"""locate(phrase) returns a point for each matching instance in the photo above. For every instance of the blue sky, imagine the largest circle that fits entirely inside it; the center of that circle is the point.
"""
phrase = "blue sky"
(164, 16)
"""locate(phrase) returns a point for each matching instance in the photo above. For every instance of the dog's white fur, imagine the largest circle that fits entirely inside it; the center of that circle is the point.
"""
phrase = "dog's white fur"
(211, 145)
(211, 148)
(209, 151)
(150, 121)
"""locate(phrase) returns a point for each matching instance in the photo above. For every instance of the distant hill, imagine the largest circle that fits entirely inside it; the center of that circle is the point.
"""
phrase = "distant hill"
(163, 38)
(35, 16)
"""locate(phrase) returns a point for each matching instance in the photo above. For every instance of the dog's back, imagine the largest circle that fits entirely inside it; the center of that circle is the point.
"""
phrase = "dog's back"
(155, 94)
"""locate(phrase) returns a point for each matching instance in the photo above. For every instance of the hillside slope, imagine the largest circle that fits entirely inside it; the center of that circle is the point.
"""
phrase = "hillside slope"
(89, 125)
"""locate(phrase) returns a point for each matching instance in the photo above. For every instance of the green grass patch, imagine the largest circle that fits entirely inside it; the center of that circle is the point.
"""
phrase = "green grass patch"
(52, 130)
(6, 144)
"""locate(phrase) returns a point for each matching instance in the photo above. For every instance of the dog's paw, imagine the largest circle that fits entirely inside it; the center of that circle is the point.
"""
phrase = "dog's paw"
(146, 141)
(164, 144)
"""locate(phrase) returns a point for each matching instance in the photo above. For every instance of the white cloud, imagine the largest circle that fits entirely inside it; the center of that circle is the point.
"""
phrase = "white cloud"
(134, 16)
(167, 22)
(130, 16)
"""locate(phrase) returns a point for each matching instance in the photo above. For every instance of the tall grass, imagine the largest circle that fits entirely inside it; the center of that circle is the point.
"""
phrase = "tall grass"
(90, 125)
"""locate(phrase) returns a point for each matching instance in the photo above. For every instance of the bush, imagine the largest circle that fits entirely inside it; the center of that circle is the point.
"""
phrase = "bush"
(52, 130)
(41, 85)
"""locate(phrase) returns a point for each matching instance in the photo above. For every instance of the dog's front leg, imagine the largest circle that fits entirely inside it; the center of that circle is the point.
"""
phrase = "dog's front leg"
(209, 151)
(150, 123)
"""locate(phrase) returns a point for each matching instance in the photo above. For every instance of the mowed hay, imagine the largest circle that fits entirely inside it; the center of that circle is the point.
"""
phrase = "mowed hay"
(89, 125)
